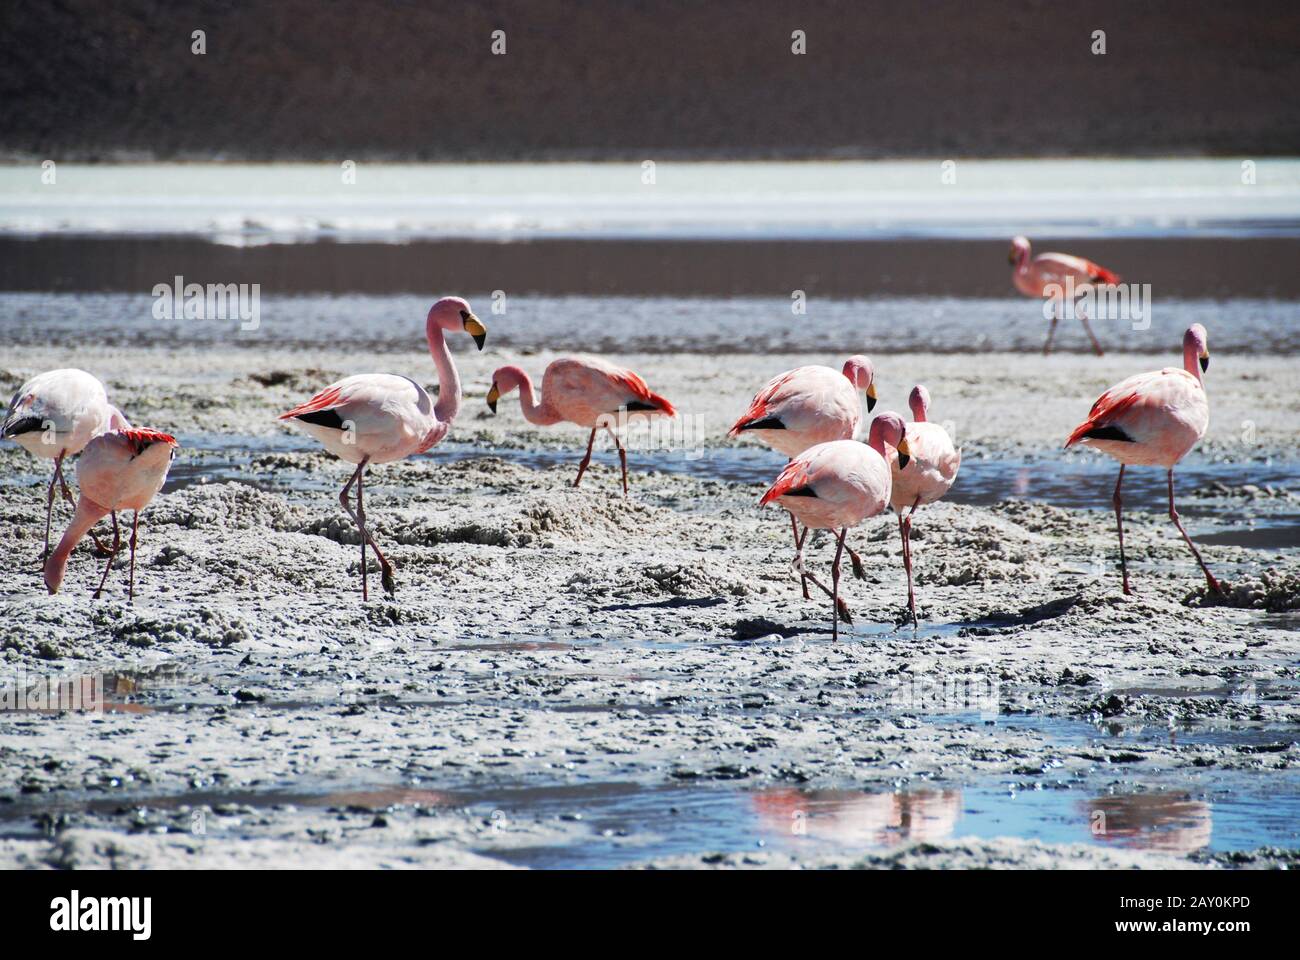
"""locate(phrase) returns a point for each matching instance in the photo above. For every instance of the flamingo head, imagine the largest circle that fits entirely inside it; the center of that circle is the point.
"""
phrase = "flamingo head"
(919, 403)
(454, 313)
(862, 375)
(505, 381)
(1196, 346)
(1019, 249)
(888, 429)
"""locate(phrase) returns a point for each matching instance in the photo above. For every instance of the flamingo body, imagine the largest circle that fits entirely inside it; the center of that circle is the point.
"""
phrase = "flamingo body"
(934, 462)
(807, 406)
(58, 412)
(833, 485)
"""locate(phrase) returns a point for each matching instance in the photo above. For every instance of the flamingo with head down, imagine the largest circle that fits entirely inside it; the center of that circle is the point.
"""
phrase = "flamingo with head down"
(837, 485)
(1033, 275)
(933, 470)
(587, 391)
(54, 415)
(807, 406)
(120, 470)
(1153, 419)
(379, 418)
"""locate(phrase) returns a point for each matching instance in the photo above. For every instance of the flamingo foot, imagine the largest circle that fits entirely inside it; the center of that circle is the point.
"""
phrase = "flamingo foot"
(386, 578)
(858, 570)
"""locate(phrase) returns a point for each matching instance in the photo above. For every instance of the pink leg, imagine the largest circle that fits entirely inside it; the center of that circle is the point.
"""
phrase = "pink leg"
(1083, 318)
(835, 581)
(1173, 515)
(1119, 525)
(109, 564)
(1051, 331)
(359, 518)
(135, 525)
(622, 456)
(840, 605)
(49, 506)
(586, 461)
(858, 570)
(798, 549)
(907, 559)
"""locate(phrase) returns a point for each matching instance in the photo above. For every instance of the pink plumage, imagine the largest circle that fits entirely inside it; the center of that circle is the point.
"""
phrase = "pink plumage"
(1034, 276)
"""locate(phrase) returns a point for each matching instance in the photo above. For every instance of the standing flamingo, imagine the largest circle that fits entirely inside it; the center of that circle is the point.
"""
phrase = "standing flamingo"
(121, 470)
(934, 468)
(1153, 419)
(582, 390)
(807, 406)
(54, 415)
(1032, 277)
(379, 418)
(837, 485)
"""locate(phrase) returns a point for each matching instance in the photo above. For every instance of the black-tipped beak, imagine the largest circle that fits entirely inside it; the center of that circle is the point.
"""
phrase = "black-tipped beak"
(871, 397)
(1205, 364)
(493, 396)
(474, 327)
(904, 455)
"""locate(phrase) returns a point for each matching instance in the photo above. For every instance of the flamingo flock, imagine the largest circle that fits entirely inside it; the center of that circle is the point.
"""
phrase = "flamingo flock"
(811, 415)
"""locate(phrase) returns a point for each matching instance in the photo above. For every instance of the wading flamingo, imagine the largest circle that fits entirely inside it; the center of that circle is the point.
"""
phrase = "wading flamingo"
(807, 406)
(1153, 419)
(837, 485)
(934, 467)
(117, 471)
(54, 415)
(1033, 276)
(378, 418)
(582, 390)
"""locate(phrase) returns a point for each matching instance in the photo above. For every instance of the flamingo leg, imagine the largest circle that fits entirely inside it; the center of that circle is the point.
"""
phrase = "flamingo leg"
(859, 570)
(835, 581)
(1051, 331)
(622, 456)
(798, 549)
(359, 518)
(1083, 318)
(586, 461)
(840, 605)
(49, 506)
(905, 531)
(135, 526)
(1119, 525)
(109, 564)
(1173, 515)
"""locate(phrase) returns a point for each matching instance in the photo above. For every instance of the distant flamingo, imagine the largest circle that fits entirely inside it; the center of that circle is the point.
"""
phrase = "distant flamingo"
(379, 418)
(1032, 277)
(1153, 419)
(934, 468)
(54, 415)
(584, 390)
(807, 406)
(117, 471)
(837, 485)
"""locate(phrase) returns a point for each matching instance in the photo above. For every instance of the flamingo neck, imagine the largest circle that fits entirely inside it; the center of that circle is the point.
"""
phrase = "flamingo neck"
(448, 404)
(534, 410)
(876, 439)
(1191, 361)
(87, 515)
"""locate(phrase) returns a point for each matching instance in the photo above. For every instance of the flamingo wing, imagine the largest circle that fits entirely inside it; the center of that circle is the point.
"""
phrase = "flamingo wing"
(1083, 270)
(327, 399)
(790, 482)
(1110, 409)
(760, 408)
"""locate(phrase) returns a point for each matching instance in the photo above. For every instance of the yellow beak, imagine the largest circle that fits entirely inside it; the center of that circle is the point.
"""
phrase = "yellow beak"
(474, 327)
(493, 396)
(904, 453)
(871, 396)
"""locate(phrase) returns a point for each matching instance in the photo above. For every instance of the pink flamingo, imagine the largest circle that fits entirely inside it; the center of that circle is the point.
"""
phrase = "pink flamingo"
(1032, 277)
(837, 485)
(934, 469)
(53, 416)
(1153, 419)
(807, 406)
(379, 418)
(582, 390)
(122, 470)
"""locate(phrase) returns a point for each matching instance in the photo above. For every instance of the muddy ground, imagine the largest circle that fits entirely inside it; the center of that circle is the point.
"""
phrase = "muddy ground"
(562, 644)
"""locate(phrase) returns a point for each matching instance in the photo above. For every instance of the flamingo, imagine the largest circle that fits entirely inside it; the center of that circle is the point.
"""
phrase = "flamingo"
(837, 485)
(587, 391)
(1032, 277)
(119, 470)
(935, 466)
(53, 416)
(807, 406)
(1153, 419)
(379, 418)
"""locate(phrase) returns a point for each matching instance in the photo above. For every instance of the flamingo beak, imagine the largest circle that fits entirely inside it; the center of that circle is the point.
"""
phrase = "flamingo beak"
(1011, 257)
(493, 396)
(871, 396)
(474, 327)
(1205, 361)
(904, 453)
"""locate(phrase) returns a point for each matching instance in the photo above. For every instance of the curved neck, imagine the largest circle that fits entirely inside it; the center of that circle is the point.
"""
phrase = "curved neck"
(448, 404)
(88, 514)
(534, 410)
(876, 438)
